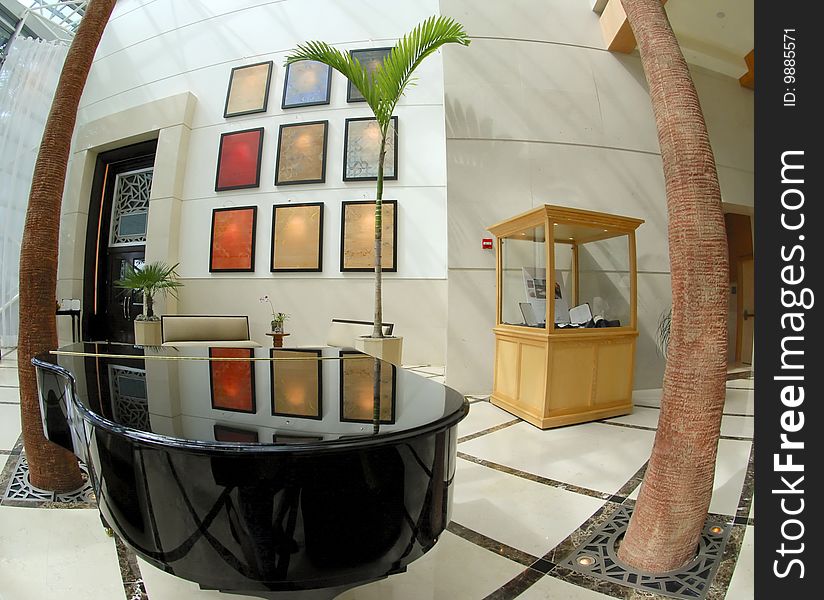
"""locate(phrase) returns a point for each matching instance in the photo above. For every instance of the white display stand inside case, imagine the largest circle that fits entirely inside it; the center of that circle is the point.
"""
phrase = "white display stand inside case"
(553, 372)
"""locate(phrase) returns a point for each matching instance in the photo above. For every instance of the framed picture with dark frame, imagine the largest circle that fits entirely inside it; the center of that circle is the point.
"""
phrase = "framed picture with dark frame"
(290, 438)
(238, 160)
(232, 382)
(248, 90)
(370, 59)
(297, 237)
(224, 433)
(357, 236)
(301, 154)
(307, 83)
(232, 243)
(361, 148)
(357, 389)
(296, 384)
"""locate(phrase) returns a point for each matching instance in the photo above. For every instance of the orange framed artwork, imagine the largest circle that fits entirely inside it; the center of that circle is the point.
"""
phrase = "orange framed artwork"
(232, 382)
(232, 245)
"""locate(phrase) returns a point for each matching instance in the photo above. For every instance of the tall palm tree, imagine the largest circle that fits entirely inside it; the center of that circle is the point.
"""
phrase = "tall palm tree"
(51, 467)
(672, 507)
(382, 89)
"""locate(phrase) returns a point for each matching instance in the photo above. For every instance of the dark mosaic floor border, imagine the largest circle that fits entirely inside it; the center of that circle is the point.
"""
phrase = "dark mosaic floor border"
(532, 477)
(487, 431)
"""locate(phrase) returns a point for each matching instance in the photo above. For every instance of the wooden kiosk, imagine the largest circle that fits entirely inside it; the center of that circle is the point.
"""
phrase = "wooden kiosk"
(550, 370)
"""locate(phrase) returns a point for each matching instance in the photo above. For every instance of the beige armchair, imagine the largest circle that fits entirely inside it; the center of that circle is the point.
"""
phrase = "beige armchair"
(206, 330)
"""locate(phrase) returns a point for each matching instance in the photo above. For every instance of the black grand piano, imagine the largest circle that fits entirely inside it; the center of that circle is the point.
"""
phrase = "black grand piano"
(258, 471)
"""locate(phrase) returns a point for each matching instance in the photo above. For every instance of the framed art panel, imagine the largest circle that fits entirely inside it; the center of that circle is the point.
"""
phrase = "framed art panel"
(296, 384)
(307, 84)
(357, 236)
(357, 389)
(232, 382)
(301, 153)
(361, 147)
(224, 433)
(232, 246)
(297, 237)
(370, 59)
(238, 160)
(248, 91)
(294, 438)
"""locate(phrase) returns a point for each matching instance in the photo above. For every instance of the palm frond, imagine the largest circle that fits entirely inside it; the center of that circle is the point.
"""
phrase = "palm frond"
(395, 75)
(343, 62)
(383, 88)
(663, 332)
(151, 278)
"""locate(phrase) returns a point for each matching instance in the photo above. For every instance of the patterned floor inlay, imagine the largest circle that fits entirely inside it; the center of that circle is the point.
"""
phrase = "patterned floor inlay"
(478, 434)
(530, 476)
(20, 491)
(493, 545)
(130, 573)
(517, 586)
(596, 558)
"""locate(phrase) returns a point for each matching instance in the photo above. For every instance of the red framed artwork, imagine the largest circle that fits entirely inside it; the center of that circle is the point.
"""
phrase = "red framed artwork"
(232, 382)
(232, 245)
(238, 160)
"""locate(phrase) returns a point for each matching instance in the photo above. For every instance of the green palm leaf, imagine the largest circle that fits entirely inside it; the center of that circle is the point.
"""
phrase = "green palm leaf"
(382, 89)
(152, 278)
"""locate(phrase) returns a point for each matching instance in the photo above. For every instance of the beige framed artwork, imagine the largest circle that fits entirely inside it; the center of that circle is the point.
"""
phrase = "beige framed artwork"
(301, 153)
(357, 236)
(296, 383)
(297, 237)
(248, 91)
(357, 390)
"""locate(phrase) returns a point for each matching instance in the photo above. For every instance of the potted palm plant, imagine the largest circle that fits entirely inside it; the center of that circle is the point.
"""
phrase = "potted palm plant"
(382, 89)
(150, 279)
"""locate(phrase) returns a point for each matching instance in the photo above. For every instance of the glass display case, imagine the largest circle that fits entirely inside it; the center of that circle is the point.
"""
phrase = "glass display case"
(566, 324)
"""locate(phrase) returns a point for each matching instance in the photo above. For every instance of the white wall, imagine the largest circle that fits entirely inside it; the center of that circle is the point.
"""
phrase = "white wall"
(537, 111)
(152, 50)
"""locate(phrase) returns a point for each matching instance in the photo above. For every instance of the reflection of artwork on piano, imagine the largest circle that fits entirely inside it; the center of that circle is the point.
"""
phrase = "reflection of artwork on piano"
(224, 433)
(357, 390)
(232, 382)
(294, 438)
(296, 384)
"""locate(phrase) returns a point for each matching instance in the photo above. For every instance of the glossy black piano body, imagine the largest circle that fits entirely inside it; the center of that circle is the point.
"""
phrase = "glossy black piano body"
(270, 502)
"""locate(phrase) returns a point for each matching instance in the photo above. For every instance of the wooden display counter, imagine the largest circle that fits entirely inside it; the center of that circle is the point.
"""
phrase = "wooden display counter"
(562, 374)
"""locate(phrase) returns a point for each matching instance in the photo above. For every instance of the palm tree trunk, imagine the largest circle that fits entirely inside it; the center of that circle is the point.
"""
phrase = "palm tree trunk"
(672, 507)
(377, 327)
(51, 467)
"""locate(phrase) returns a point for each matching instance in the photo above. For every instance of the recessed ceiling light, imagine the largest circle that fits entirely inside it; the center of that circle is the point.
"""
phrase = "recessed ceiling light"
(716, 530)
(585, 561)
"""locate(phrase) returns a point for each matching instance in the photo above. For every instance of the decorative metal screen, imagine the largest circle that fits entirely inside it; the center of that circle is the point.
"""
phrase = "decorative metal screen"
(130, 209)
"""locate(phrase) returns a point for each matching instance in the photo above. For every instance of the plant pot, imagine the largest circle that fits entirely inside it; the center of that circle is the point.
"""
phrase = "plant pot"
(277, 328)
(147, 333)
(387, 348)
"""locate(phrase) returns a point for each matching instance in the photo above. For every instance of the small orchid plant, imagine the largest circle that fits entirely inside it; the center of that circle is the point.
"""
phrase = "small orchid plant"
(277, 317)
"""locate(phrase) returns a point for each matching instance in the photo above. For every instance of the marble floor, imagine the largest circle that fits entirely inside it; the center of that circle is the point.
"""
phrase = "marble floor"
(523, 499)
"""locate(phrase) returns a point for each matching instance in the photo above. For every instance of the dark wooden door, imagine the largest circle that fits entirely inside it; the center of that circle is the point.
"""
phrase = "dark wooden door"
(116, 238)
(122, 306)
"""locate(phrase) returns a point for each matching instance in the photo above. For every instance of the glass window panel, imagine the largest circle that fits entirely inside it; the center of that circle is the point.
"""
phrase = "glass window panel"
(605, 279)
(134, 224)
(524, 280)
